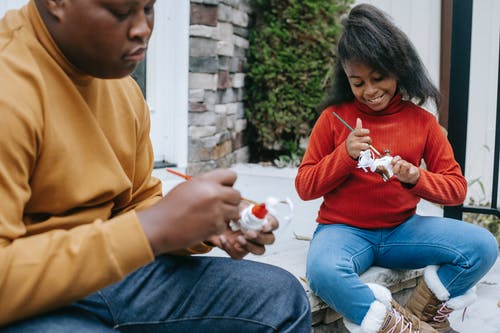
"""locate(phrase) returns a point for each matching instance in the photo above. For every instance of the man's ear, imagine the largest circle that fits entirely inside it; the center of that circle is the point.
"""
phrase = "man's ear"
(54, 8)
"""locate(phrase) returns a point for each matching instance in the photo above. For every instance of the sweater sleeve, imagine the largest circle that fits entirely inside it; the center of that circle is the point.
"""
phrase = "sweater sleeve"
(325, 165)
(442, 182)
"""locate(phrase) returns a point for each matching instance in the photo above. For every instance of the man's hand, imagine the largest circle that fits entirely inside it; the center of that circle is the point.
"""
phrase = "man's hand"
(238, 244)
(191, 212)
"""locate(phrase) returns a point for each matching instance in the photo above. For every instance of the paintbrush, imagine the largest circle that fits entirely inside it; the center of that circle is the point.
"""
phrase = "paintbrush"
(352, 129)
(186, 177)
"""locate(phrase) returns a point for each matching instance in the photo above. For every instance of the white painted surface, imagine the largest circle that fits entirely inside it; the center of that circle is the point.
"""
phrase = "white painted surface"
(10, 4)
(483, 95)
(167, 81)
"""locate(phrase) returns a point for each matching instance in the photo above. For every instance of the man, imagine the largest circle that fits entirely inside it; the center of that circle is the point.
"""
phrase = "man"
(86, 240)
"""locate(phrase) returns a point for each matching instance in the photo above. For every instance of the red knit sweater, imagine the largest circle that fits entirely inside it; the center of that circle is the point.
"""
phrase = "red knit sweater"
(362, 199)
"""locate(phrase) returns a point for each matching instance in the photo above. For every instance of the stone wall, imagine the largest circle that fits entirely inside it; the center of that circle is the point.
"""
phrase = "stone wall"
(218, 43)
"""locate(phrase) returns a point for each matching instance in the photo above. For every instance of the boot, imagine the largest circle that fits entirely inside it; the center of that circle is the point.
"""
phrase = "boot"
(431, 302)
(387, 316)
(397, 322)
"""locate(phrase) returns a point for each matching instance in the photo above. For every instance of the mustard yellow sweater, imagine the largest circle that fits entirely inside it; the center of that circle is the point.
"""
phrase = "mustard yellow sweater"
(75, 165)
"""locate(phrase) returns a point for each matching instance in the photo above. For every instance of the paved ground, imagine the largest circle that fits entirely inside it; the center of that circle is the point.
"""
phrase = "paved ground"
(258, 183)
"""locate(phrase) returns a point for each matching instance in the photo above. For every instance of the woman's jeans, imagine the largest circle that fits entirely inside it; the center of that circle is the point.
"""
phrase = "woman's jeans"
(339, 253)
(187, 294)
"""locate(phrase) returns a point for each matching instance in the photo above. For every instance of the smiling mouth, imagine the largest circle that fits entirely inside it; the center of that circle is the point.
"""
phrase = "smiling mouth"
(375, 100)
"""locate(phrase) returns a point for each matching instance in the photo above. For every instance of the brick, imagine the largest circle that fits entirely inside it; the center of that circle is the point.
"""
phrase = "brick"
(240, 125)
(197, 107)
(201, 131)
(241, 42)
(238, 80)
(204, 64)
(208, 118)
(225, 48)
(225, 32)
(239, 18)
(203, 31)
(221, 108)
(196, 95)
(224, 80)
(202, 81)
(202, 47)
(204, 14)
(225, 13)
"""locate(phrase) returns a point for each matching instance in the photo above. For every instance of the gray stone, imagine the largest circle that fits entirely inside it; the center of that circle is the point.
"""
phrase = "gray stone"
(210, 99)
(225, 32)
(225, 48)
(196, 95)
(241, 42)
(239, 18)
(202, 81)
(208, 118)
(202, 47)
(201, 131)
(227, 96)
(204, 64)
(225, 13)
(238, 80)
(203, 31)
(240, 31)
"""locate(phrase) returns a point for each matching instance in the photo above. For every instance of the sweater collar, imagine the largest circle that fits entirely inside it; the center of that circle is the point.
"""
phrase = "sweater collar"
(395, 105)
(46, 40)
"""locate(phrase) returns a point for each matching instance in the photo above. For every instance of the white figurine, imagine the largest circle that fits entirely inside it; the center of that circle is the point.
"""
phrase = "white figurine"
(254, 217)
(381, 165)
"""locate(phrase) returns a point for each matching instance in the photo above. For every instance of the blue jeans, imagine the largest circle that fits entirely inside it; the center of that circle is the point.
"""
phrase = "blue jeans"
(339, 253)
(186, 294)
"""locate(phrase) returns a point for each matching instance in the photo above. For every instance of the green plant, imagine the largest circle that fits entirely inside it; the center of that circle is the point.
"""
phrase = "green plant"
(290, 59)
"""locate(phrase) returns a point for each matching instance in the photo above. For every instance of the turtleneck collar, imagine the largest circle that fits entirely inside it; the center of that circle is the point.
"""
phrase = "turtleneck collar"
(43, 35)
(396, 104)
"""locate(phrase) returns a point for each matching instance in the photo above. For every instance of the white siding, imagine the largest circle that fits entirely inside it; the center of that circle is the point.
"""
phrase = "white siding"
(167, 81)
(10, 4)
(483, 95)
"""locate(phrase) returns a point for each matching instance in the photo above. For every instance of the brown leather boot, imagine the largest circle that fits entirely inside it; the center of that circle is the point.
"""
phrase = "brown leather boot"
(387, 316)
(435, 311)
(397, 322)
(429, 308)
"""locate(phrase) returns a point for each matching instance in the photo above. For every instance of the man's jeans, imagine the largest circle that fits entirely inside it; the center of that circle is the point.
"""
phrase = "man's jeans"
(339, 253)
(187, 294)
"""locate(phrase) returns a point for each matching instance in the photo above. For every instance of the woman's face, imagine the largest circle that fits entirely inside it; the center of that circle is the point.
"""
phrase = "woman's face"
(369, 86)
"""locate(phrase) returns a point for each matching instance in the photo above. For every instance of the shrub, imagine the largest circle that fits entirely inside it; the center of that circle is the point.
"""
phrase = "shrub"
(290, 60)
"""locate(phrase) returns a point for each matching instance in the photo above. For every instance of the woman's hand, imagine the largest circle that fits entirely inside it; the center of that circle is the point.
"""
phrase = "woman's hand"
(405, 171)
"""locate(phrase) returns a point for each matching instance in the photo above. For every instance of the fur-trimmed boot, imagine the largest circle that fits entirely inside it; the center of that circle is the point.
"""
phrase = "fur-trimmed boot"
(387, 316)
(431, 302)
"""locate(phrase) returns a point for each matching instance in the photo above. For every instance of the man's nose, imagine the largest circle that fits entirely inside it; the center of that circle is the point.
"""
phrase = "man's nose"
(142, 27)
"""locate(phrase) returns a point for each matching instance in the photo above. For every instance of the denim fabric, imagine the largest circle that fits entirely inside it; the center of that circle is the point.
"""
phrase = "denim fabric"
(187, 294)
(339, 253)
